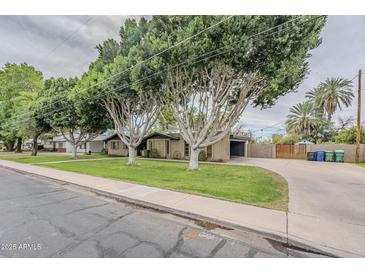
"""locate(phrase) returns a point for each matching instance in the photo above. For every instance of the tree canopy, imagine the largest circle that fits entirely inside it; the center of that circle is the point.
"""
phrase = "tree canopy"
(279, 56)
(19, 89)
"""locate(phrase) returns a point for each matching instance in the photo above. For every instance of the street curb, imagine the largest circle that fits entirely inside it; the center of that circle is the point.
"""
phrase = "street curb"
(187, 215)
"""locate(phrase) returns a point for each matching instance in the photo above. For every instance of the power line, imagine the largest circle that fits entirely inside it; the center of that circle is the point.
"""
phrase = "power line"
(157, 54)
(68, 37)
(272, 126)
(168, 69)
(186, 62)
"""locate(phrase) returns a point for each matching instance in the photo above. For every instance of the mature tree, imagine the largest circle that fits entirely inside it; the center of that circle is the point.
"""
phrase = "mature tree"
(244, 42)
(132, 111)
(207, 102)
(348, 136)
(133, 118)
(332, 94)
(324, 132)
(153, 49)
(68, 116)
(303, 119)
(19, 86)
(279, 58)
(31, 112)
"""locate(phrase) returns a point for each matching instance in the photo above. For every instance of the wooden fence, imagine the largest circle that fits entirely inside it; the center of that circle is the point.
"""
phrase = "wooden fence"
(291, 151)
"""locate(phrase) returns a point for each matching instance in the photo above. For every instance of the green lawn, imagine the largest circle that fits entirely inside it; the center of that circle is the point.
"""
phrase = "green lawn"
(244, 184)
(48, 158)
(361, 164)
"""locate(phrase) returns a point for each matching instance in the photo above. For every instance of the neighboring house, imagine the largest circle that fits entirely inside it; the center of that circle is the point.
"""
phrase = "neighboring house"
(116, 147)
(48, 143)
(96, 145)
(28, 144)
(173, 146)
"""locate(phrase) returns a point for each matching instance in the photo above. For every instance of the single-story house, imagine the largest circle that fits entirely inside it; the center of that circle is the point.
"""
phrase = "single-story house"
(48, 143)
(96, 145)
(28, 144)
(116, 147)
(173, 146)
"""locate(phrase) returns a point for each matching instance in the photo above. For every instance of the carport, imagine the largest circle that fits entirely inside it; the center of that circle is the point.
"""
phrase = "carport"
(237, 146)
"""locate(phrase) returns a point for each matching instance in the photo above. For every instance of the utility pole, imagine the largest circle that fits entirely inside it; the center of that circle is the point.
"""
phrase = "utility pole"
(358, 131)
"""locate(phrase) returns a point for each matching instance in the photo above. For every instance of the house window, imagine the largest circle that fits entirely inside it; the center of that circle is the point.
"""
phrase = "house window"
(115, 145)
(60, 145)
(150, 144)
(83, 146)
(186, 149)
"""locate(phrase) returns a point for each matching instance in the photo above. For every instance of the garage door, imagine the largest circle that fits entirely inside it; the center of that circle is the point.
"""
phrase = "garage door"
(237, 148)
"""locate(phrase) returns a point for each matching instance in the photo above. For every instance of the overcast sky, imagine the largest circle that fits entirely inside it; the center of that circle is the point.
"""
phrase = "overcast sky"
(65, 46)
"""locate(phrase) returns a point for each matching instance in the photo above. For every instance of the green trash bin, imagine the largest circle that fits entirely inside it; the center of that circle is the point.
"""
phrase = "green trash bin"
(329, 156)
(340, 155)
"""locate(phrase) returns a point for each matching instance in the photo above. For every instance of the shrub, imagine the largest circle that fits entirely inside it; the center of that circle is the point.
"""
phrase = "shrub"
(154, 153)
(176, 155)
(202, 156)
(146, 153)
(104, 151)
(348, 136)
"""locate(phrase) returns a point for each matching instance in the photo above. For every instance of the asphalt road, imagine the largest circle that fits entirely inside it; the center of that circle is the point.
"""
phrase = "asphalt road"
(43, 218)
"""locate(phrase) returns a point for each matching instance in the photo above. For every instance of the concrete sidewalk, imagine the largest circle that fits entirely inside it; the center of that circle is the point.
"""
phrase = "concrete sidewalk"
(271, 223)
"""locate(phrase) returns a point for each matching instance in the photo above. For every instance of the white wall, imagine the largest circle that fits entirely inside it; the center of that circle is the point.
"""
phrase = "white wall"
(95, 147)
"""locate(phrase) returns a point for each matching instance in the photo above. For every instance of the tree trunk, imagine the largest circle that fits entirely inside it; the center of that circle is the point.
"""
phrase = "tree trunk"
(19, 145)
(329, 117)
(74, 151)
(35, 145)
(194, 159)
(131, 156)
(9, 146)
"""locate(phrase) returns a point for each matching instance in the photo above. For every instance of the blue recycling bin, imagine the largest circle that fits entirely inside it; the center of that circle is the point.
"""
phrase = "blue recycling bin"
(320, 155)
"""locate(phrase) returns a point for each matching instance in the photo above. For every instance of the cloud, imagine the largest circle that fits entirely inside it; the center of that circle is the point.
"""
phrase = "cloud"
(56, 45)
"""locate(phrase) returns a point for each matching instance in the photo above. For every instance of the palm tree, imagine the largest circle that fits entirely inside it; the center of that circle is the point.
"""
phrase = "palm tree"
(332, 94)
(303, 118)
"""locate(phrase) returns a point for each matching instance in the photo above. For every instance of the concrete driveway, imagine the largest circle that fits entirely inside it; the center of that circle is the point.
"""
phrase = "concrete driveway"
(326, 202)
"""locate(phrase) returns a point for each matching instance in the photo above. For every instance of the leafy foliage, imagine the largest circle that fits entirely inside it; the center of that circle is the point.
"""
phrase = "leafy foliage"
(285, 139)
(68, 112)
(303, 118)
(20, 86)
(279, 58)
(332, 95)
(348, 136)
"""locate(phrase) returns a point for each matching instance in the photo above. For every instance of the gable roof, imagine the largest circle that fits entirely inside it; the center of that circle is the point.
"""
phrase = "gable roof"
(156, 135)
(238, 137)
(101, 137)
(174, 136)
